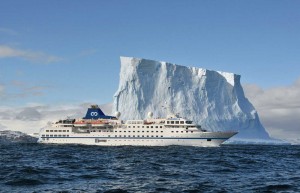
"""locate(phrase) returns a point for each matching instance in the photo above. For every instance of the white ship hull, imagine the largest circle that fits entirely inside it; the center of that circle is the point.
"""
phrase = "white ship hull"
(203, 139)
(109, 131)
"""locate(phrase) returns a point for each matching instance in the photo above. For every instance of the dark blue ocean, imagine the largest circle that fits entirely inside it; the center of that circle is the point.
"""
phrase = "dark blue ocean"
(79, 168)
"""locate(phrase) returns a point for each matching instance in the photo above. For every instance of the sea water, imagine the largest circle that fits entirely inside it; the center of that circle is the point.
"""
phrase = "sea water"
(82, 168)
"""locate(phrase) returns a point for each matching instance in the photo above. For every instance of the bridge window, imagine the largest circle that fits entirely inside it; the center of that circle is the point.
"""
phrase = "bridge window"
(181, 122)
(177, 122)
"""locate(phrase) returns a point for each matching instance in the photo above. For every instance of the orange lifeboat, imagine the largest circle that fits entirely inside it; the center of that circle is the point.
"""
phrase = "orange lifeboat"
(98, 122)
(80, 123)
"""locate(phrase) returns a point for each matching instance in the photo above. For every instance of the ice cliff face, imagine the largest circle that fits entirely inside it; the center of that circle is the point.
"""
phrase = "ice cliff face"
(212, 99)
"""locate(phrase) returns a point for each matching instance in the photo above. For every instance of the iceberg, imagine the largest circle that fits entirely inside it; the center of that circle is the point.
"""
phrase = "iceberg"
(213, 99)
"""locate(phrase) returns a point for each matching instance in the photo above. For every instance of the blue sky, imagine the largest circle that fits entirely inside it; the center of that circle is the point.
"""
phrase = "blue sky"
(54, 52)
(55, 56)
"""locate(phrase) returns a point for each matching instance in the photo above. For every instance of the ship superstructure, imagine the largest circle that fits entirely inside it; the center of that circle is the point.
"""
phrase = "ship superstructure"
(98, 129)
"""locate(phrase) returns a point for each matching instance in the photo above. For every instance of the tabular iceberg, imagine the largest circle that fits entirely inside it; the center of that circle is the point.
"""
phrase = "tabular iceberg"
(213, 99)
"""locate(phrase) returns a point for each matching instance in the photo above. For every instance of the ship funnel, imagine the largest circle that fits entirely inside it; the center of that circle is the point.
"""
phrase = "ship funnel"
(94, 112)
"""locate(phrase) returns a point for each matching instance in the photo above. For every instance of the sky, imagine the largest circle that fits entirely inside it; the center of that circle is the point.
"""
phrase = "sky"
(65, 53)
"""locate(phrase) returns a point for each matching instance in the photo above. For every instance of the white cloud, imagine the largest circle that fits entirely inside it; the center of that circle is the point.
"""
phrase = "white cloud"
(21, 90)
(9, 52)
(32, 117)
(278, 108)
(29, 114)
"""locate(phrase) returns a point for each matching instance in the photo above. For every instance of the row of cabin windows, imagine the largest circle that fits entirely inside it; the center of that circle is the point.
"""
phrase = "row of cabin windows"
(144, 126)
(101, 131)
(57, 131)
(64, 126)
(174, 126)
(181, 131)
(139, 131)
(137, 136)
(55, 135)
(179, 122)
(123, 131)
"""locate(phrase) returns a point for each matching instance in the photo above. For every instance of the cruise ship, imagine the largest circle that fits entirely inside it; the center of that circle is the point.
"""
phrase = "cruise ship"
(96, 128)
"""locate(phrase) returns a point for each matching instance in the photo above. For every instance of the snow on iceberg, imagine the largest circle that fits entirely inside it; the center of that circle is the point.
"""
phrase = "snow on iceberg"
(213, 99)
